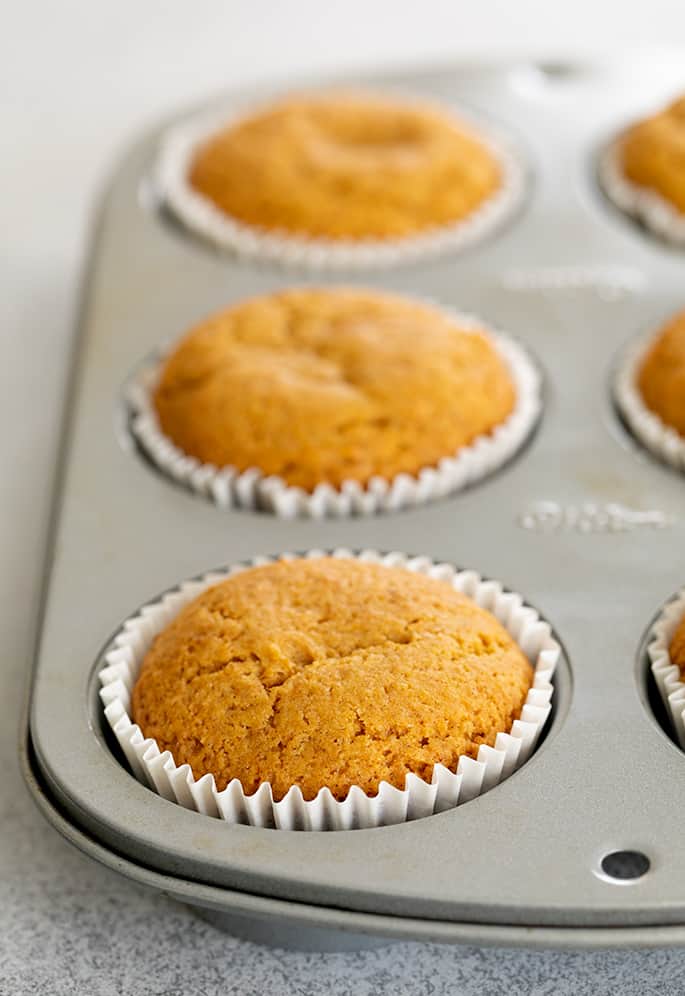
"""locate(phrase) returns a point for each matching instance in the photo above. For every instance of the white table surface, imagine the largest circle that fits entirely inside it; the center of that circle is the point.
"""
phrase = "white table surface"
(76, 80)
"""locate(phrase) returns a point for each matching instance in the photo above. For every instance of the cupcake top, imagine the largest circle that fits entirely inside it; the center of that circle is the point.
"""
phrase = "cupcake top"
(652, 154)
(677, 648)
(328, 672)
(661, 378)
(329, 385)
(346, 166)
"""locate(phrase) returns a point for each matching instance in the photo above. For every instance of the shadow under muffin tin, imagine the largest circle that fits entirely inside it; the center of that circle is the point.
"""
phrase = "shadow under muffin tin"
(607, 772)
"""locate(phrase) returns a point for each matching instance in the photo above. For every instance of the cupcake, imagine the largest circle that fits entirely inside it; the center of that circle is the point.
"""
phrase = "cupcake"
(334, 679)
(351, 391)
(661, 378)
(315, 174)
(666, 652)
(651, 392)
(644, 171)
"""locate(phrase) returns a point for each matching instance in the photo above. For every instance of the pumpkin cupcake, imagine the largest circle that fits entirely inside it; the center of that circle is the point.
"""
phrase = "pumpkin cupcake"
(355, 678)
(661, 377)
(666, 652)
(337, 177)
(650, 391)
(336, 393)
(644, 171)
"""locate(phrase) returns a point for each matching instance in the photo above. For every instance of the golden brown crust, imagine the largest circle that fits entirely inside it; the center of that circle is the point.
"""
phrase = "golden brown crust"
(346, 166)
(661, 379)
(331, 385)
(653, 154)
(328, 672)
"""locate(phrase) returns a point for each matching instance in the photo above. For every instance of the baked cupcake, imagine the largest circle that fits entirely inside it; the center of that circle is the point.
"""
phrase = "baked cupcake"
(661, 378)
(651, 392)
(358, 690)
(336, 388)
(644, 171)
(666, 652)
(328, 673)
(334, 170)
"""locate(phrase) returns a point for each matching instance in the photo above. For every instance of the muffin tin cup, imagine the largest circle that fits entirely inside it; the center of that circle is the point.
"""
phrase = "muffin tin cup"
(644, 205)
(201, 216)
(251, 489)
(667, 674)
(390, 805)
(648, 428)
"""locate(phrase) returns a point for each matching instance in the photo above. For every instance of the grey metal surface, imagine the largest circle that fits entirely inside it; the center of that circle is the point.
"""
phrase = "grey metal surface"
(608, 777)
(279, 923)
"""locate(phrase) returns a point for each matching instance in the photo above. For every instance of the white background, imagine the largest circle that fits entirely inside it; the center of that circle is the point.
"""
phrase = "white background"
(77, 80)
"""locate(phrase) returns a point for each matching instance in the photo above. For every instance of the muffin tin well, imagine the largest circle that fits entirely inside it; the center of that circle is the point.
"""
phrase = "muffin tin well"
(541, 858)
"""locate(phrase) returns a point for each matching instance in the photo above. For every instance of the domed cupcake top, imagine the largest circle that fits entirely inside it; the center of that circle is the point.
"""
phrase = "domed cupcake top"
(328, 672)
(661, 377)
(677, 648)
(652, 154)
(348, 166)
(329, 385)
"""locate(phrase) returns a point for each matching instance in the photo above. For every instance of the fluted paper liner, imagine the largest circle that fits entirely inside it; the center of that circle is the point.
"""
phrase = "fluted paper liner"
(660, 439)
(358, 810)
(643, 204)
(200, 215)
(666, 673)
(251, 489)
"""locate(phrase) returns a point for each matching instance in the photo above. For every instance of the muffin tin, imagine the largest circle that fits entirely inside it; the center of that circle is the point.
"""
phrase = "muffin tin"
(583, 522)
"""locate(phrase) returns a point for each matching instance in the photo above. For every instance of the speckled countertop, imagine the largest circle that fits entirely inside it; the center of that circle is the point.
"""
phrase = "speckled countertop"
(68, 926)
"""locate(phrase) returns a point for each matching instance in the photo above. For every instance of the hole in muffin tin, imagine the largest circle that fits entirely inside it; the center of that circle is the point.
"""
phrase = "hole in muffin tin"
(623, 867)
(562, 72)
(560, 704)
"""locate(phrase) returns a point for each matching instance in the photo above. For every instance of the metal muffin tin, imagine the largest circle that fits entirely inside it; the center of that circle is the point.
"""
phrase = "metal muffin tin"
(521, 864)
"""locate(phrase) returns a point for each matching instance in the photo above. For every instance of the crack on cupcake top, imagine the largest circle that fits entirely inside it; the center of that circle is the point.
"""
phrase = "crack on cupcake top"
(326, 385)
(346, 166)
(328, 672)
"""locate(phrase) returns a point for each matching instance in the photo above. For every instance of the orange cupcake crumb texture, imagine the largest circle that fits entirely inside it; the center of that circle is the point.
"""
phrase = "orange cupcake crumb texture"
(653, 154)
(346, 166)
(322, 385)
(328, 672)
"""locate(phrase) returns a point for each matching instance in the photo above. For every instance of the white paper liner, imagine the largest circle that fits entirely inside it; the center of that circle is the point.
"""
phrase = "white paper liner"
(251, 489)
(660, 439)
(666, 673)
(199, 214)
(359, 810)
(645, 205)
